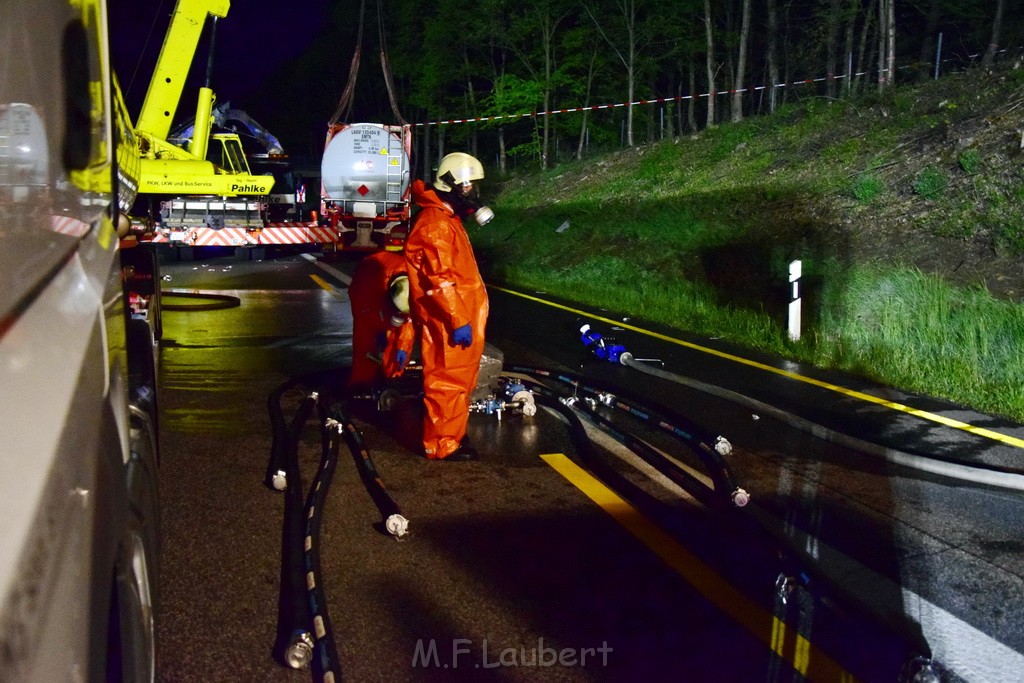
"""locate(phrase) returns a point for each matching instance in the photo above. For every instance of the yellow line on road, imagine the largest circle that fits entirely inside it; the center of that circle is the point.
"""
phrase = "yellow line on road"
(949, 422)
(327, 286)
(791, 646)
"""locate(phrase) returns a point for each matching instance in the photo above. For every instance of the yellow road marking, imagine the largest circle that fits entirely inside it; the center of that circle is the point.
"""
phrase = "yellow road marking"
(327, 286)
(956, 424)
(791, 646)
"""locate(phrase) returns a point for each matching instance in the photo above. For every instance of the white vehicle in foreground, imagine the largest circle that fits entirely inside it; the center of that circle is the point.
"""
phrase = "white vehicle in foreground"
(79, 534)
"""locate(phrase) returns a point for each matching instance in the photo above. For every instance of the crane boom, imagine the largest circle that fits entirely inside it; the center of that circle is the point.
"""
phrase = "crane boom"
(172, 67)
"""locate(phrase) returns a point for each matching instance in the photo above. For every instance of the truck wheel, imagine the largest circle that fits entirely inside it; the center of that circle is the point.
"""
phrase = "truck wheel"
(131, 644)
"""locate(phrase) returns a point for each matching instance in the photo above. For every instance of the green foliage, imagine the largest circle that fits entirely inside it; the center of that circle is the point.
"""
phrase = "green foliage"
(970, 161)
(513, 95)
(930, 183)
(1008, 223)
(842, 152)
(914, 329)
(866, 187)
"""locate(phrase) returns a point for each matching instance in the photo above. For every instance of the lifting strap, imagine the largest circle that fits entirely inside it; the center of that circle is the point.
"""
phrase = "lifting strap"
(344, 108)
(386, 68)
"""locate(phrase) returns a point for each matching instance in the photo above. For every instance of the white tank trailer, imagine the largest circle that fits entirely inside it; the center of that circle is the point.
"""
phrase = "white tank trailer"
(365, 178)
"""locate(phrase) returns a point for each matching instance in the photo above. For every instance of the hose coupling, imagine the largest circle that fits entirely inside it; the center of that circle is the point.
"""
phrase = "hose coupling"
(279, 480)
(299, 652)
(722, 446)
(740, 498)
(397, 525)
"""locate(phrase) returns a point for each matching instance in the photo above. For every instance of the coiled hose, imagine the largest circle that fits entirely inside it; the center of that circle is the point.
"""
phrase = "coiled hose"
(216, 302)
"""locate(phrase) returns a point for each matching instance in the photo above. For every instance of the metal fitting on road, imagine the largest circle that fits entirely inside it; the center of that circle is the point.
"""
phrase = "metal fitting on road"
(300, 650)
(397, 525)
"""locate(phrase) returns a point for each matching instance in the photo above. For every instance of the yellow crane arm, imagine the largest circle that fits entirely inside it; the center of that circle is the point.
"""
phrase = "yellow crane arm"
(173, 65)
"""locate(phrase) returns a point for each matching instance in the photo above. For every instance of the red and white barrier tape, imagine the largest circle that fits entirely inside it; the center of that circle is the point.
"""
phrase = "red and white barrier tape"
(658, 100)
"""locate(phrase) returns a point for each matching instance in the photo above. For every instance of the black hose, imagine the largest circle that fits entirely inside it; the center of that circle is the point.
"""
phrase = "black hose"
(394, 522)
(645, 451)
(293, 645)
(326, 664)
(218, 301)
(702, 442)
(276, 475)
(979, 473)
(589, 457)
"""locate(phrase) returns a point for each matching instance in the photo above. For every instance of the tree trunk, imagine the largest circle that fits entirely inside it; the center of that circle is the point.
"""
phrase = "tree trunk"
(997, 30)
(890, 31)
(772, 56)
(741, 65)
(502, 157)
(712, 94)
(691, 105)
(928, 40)
(427, 161)
(831, 47)
(851, 24)
(883, 44)
(629, 12)
(862, 62)
(471, 104)
(586, 103)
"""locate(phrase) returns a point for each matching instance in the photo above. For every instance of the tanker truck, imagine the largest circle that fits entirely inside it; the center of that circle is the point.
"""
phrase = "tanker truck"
(365, 185)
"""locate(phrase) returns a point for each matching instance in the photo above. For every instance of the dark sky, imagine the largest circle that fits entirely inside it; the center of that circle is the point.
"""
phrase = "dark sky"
(253, 40)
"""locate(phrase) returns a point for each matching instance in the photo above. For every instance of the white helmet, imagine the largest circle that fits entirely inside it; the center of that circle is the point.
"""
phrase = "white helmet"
(456, 169)
(398, 288)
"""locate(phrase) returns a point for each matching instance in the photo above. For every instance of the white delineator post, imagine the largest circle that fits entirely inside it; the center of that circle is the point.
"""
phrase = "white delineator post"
(794, 300)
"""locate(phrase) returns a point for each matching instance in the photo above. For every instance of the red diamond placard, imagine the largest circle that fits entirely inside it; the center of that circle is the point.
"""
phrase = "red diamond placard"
(363, 190)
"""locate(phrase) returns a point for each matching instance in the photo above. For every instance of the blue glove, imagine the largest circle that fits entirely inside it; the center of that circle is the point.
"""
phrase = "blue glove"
(401, 357)
(463, 336)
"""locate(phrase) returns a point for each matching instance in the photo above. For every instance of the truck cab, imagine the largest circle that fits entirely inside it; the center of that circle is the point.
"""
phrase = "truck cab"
(79, 541)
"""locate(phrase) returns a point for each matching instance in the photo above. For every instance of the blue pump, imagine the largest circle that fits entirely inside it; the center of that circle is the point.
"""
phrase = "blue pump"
(610, 352)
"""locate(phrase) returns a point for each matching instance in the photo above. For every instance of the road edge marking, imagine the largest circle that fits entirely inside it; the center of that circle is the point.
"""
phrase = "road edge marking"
(327, 286)
(853, 393)
(769, 629)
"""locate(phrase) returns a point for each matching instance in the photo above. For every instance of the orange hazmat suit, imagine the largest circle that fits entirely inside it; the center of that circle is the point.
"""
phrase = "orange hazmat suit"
(375, 319)
(446, 292)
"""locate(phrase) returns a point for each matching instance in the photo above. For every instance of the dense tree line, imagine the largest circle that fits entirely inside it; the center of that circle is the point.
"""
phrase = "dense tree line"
(498, 58)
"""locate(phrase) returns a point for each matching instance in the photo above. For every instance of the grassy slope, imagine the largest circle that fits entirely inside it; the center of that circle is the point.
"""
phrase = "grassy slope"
(907, 211)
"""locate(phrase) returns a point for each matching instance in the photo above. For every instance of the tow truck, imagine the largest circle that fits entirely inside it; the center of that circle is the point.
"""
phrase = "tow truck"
(79, 541)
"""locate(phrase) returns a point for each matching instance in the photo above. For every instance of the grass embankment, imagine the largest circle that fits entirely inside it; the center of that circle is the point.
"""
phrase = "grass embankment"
(907, 212)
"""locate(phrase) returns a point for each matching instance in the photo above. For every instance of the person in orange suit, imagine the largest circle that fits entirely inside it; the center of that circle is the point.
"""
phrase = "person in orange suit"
(447, 302)
(382, 333)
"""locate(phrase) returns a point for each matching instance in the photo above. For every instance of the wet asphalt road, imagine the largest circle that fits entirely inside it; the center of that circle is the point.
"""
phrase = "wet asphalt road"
(509, 560)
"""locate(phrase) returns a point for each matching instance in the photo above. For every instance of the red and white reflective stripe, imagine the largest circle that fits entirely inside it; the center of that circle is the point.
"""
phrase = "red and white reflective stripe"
(297, 235)
(67, 225)
(225, 237)
(658, 100)
(279, 233)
